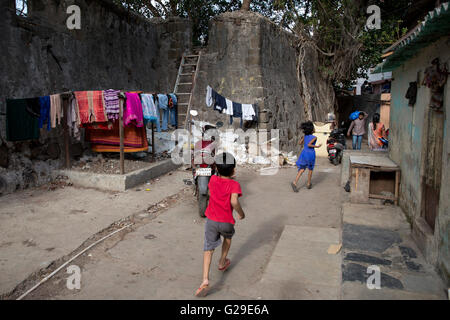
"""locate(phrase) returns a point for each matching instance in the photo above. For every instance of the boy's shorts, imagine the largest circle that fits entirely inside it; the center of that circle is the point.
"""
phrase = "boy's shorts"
(213, 231)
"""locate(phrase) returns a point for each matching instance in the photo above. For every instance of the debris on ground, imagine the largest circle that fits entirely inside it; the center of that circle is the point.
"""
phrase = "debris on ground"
(109, 163)
(59, 182)
(334, 248)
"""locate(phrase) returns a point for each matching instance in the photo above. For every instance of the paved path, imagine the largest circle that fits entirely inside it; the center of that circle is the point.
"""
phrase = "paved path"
(278, 252)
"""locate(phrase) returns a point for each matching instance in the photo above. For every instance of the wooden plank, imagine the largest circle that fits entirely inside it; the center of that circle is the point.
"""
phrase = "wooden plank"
(153, 142)
(121, 134)
(379, 196)
(397, 186)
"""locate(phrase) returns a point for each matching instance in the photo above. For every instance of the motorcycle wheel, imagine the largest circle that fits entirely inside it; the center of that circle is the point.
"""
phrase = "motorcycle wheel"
(202, 204)
(335, 161)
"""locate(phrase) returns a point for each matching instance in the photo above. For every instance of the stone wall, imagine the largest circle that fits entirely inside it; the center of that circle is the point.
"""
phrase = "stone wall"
(113, 49)
(407, 145)
(251, 60)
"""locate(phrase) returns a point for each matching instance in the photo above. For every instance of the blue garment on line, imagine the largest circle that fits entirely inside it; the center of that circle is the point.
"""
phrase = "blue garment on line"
(307, 158)
(45, 112)
(237, 112)
(150, 110)
(220, 103)
(163, 103)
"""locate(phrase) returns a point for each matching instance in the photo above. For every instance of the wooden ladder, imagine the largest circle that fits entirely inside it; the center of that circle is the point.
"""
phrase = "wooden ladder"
(185, 84)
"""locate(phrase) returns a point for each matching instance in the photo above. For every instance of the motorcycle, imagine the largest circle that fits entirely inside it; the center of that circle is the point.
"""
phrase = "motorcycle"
(336, 144)
(203, 166)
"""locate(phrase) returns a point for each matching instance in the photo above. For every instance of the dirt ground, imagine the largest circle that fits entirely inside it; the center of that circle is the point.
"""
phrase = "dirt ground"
(109, 163)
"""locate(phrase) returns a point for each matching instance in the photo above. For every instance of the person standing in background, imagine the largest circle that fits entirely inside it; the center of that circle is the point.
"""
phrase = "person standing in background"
(357, 128)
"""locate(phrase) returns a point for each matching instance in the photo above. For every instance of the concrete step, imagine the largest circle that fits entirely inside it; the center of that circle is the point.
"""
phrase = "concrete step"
(301, 268)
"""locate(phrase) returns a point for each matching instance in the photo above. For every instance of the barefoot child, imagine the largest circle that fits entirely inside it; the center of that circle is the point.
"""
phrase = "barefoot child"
(307, 158)
(224, 194)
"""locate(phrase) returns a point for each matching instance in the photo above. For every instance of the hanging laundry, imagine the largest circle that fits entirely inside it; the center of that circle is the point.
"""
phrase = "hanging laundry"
(237, 112)
(20, 123)
(164, 105)
(148, 107)
(44, 117)
(135, 139)
(34, 108)
(220, 103)
(112, 103)
(56, 112)
(256, 109)
(229, 109)
(174, 109)
(91, 107)
(209, 98)
(150, 110)
(248, 112)
(72, 118)
(133, 113)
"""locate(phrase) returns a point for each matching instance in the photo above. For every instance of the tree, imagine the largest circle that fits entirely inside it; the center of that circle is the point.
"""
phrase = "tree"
(246, 5)
(199, 12)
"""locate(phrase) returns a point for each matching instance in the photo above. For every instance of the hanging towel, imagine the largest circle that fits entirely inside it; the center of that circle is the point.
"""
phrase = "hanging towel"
(90, 106)
(56, 113)
(133, 113)
(248, 112)
(229, 109)
(21, 124)
(209, 98)
(45, 112)
(72, 118)
(112, 103)
(149, 108)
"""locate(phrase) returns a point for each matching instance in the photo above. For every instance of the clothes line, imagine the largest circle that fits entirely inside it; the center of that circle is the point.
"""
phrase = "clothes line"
(246, 112)
(114, 120)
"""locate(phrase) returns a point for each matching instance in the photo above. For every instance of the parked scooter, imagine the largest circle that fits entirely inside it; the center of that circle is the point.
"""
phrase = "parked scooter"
(203, 166)
(335, 146)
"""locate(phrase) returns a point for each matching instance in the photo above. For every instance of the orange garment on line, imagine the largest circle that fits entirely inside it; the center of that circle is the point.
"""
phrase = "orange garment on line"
(135, 139)
(91, 106)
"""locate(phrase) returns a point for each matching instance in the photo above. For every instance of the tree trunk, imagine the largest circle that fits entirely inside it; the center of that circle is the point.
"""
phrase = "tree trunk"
(246, 5)
(152, 9)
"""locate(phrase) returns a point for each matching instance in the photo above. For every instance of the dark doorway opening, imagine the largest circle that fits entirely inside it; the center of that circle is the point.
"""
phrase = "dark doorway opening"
(431, 181)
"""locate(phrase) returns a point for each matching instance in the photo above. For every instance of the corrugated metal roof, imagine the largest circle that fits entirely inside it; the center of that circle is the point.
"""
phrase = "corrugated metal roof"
(435, 25)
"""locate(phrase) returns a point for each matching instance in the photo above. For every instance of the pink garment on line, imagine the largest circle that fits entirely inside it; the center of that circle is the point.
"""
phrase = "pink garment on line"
(133, 112)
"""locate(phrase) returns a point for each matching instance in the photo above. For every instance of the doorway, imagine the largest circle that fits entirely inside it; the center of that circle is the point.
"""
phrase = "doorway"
(431, 181)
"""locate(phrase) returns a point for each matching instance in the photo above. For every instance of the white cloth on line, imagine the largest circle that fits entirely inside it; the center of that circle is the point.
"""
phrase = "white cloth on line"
(229, 109)
(209, 99)
(247, 112)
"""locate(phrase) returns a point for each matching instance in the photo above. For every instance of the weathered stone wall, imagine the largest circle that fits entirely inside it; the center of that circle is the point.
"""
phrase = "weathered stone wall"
(407, 139)
(251, 60)
(113, 49)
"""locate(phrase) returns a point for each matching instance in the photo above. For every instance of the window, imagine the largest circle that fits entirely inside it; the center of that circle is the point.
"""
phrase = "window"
(22, 8)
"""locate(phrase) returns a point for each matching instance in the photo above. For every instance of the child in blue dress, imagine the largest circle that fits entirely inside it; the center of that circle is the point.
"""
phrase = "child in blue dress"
(307, 158)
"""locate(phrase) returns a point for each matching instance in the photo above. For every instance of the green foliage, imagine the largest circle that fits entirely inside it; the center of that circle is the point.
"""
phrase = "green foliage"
(336, 27)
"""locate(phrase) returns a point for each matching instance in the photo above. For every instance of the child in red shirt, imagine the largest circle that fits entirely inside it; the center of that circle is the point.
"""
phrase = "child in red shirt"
(224, 193)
